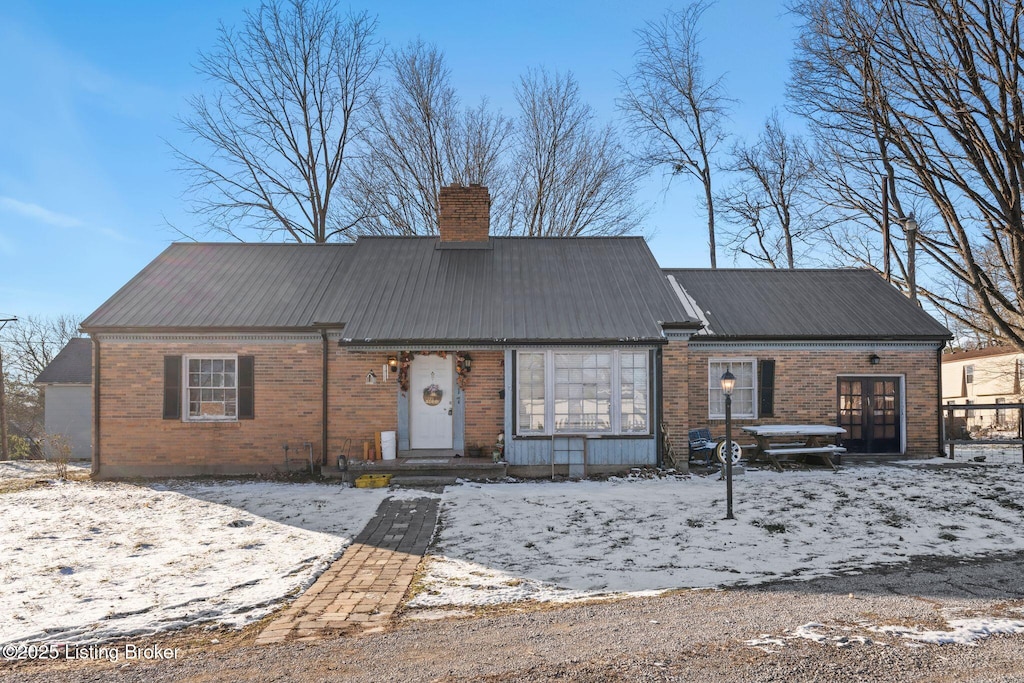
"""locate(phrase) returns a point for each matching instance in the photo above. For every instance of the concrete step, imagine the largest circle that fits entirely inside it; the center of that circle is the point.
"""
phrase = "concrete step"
(414, 481)
(471, 471)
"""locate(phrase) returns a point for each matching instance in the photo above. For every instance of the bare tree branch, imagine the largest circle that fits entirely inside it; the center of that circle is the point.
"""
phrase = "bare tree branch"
(422, 140)
(927, 93)
(768, 203)
(674, 111)
(572, 177)
(288, 112)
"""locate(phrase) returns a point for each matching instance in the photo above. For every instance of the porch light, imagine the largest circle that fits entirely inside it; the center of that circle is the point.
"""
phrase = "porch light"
(875, 360)
(371, 377)
(393, 363)
(467, 363)
(728, 383)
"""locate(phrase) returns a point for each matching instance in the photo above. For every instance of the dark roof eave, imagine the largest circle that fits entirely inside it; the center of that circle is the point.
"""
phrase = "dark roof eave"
(501, 343)
(846, 337)
(295, 329)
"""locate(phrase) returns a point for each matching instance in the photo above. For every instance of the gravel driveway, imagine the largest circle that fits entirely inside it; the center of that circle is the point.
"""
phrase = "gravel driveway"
(687, 636)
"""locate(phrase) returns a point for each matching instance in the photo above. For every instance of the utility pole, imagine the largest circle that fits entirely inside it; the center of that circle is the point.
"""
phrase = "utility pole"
(4, 448)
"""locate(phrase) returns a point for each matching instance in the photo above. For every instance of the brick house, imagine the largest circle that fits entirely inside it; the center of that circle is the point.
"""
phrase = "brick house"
(216, 355)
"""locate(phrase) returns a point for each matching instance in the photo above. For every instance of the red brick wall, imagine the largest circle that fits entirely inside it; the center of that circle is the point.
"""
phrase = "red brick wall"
(464, 214)
(485, 409)
(676, 395)
(136, 440)
(805, 388)
(357, 410)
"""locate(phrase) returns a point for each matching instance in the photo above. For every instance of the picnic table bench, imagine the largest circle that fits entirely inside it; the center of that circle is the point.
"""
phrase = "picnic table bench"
(802, 441)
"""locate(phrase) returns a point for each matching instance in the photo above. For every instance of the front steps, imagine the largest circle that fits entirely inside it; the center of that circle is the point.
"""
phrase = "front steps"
(421, 471)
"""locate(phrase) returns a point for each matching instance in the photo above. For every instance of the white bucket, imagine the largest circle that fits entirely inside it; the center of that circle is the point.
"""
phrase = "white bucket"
(387, 445)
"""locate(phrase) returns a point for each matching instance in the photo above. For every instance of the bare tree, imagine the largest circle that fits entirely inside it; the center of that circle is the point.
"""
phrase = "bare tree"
(291, 89)
(31, 343)
(573, 178)
(929, 91)
(674, 110)
(28, 346)
(768, 202)
(422, 140)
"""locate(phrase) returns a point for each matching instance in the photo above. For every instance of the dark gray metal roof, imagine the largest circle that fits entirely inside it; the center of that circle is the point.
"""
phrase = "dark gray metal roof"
(516, 290)
(406, 289)
(804, 304)
(73, 365)
(227, 286)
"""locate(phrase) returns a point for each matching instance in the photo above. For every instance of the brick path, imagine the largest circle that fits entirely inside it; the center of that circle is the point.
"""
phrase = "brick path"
(363, 587)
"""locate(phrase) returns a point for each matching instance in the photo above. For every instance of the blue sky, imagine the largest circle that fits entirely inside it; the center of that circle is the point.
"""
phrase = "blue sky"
(90, 92)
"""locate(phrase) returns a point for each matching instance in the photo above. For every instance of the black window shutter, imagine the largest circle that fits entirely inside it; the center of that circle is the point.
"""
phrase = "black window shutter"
(766, 387)
(246, 393)
(172, 387)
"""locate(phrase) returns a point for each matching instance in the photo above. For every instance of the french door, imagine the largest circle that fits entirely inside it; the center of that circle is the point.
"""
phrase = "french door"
(869, 409)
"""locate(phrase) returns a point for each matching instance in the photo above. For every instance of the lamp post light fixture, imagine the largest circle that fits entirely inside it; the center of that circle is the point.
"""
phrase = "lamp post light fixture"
(728, 384)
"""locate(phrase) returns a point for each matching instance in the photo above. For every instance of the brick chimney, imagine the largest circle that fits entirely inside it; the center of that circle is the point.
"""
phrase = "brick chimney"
(464, 214)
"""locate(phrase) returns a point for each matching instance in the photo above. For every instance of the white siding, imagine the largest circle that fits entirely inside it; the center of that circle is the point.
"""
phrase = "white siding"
(68, 411)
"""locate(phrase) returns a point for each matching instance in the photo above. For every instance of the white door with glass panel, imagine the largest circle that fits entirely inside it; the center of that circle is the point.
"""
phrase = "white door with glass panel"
(430, 402)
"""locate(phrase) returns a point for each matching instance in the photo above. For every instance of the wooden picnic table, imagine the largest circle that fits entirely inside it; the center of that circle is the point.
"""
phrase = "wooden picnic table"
(799, 441)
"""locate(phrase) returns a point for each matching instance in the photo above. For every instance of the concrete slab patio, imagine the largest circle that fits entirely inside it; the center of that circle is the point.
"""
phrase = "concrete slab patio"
(362, 589)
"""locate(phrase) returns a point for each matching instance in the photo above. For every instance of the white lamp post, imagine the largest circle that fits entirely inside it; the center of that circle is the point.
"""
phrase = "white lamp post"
(728, 384)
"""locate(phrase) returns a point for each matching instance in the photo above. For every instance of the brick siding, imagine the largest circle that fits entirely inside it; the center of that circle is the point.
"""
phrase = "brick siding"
(464, 214)
(135, 440)
(485, 409)
(805, 388)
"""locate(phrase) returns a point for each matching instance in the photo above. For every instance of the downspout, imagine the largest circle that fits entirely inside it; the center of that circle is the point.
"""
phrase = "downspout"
(323, 401)
(938, 390)
(96, 406)
(659, 378)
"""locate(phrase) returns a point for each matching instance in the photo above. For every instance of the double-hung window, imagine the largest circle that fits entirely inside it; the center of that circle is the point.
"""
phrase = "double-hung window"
(602, 391)
(211, 388)
(744, 392)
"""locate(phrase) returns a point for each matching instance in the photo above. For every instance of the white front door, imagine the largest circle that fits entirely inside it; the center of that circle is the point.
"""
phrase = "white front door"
(430, 402)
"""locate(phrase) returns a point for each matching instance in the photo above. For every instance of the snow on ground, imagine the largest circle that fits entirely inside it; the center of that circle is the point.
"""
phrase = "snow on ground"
(549, 541)
(38, 469)
(86, 562)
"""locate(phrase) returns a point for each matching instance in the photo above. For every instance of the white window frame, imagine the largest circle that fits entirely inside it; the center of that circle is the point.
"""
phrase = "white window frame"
(186, 386)
(969, 374)
(616, 392)
(716, 383)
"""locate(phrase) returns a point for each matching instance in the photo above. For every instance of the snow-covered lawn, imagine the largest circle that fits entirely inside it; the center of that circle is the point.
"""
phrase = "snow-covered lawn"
(567, 541)
(84, 562)
(39, 469)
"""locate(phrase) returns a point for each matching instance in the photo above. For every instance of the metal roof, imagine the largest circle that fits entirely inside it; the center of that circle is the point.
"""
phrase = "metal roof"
(515, 290)
(406, 289)
(226, 286)
(73, 365)
(804, 304)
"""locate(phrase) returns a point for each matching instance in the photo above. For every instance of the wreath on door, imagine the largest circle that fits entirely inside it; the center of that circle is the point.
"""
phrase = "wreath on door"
(405, 359)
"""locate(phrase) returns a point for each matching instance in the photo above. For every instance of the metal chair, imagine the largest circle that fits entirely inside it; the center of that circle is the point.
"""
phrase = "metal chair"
(702, 443)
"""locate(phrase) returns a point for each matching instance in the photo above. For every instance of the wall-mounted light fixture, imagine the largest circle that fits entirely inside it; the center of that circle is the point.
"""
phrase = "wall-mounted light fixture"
(393, 363)
(875, 360)
(371, 377)
(467, 362)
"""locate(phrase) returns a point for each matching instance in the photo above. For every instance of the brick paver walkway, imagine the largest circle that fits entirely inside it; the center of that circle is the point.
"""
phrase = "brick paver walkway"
(363, 587)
